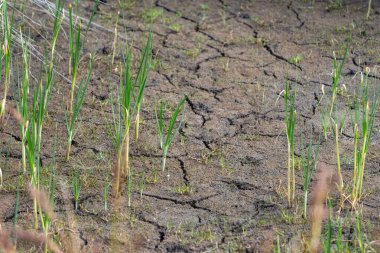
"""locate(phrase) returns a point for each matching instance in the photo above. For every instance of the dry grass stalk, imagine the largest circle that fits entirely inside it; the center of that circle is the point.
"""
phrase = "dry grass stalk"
(6, 245)
(42, 200)
(318, 206)
(37, 239)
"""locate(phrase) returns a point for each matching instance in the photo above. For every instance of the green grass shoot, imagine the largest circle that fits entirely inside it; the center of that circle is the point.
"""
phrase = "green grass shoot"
(160, 122)
(77, 187)
(328, 239)
(340, 183)
(337, 72)
(79, 99)
(6, 53)
(290, 121)
(129, 100)
(309, 164)
(40, 100)
(165, 143)
(23, 100)
(105, 193)
(364, 116)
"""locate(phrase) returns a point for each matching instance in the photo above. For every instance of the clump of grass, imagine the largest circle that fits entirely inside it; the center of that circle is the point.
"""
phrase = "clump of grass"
(79, 99)
(297, 59)
(129, 101)
(152, 14)
(277, 248)
(362, 136)
(337, 72)
(40, 100)
(290, 121)
(184, 189)
(75, 48)
(165, 143)
(22, 107)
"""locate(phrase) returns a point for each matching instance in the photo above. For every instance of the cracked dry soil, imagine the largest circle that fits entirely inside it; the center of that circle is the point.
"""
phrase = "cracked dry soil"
(232, 59)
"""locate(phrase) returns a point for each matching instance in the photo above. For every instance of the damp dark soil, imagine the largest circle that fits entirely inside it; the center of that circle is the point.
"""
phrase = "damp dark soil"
(228, 164)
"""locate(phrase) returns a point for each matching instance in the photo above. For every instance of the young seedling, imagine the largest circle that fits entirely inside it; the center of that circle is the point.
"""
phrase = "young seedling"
(309, 165)
(329, 228)
(340, 177)
(105, 193)
(359, 233)
(115, 39)
(6, 53)
(129, 105)
(337, 72)
(46, 220)
(46, 206)
(77, 186)
(278, 245)
(80, 96)
(339, 239)
(171, 132)
(160, 122)
(325, 123)
(290, 121)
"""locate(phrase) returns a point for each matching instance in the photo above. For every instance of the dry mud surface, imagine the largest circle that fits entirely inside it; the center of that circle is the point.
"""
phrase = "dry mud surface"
(228, 165)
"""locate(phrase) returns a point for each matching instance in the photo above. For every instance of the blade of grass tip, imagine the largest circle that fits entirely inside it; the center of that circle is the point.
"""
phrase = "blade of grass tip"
(369, 9)
(143, 69)
(115, 39)
(94, 12)
(162, 110)
(126, 85)
(142, 75)
(159, 122)
(170, 134)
